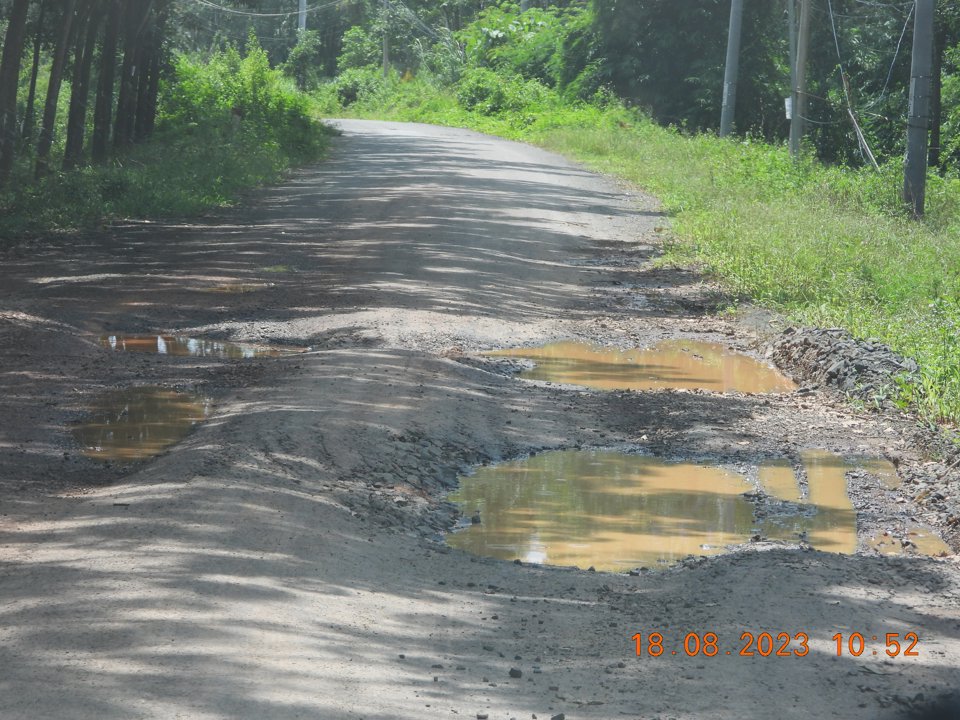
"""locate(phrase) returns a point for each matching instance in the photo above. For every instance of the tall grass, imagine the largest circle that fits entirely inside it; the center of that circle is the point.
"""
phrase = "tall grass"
(829, 246)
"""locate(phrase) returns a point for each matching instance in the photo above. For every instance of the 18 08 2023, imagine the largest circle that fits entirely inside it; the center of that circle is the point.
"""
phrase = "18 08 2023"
(772, 644)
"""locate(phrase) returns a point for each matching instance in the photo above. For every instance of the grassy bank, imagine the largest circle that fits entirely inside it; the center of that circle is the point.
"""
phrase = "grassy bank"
(225, 123)
(826, 246)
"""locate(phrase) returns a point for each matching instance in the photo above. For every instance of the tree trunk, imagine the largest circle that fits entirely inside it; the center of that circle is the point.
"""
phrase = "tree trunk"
(80, 89)
(137, 15)
(9, 81)
(103, 108)
(150, 81)
(29, 116)
(45, 141)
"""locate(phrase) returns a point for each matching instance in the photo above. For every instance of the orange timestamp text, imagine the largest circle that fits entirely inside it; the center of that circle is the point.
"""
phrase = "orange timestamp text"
(780, 644)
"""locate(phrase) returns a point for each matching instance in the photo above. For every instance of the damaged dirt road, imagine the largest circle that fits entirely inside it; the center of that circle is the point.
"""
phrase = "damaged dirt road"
(285, 559)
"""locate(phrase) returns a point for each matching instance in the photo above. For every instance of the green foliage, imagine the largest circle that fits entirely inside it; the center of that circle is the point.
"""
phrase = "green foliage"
(951, 104)
(553, 46)
(224, 124)
(356, 84)
(359, 50)
(243, 96)
(304, 61)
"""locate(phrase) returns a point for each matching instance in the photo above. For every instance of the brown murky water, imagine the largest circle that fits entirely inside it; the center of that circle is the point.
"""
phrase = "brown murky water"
(883, 469)
(615, 511)
(189, 347)
(672, 364)
(923, 540)
(138, 423)
(603, 509)
(826, 517)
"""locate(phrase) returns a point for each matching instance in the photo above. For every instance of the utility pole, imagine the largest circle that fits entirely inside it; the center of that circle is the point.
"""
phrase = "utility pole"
(386, 38)
(918, 123)
(524, 5)
(792, 31)
(799, 98)
(302, 20)
(733, 68)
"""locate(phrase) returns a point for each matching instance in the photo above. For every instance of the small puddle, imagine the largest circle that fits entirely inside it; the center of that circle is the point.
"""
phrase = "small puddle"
(826, 517)
(138, 423)
(673, 364)
(919, 539)
(603, 509)
(189, 347)
(883, 469)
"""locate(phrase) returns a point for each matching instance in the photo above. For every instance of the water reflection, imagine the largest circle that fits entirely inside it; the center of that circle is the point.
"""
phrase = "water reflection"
(137, 423)
(672, 364)
(603, 509)
(189, 347)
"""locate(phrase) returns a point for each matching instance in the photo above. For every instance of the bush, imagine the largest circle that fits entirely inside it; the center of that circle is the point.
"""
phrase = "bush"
(223, 124)
(303, 62)
(357, 84)
(358, 50)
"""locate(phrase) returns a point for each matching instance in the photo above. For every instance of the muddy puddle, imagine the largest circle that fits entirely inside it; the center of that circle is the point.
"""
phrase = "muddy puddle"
(673, 364)
(602, 509)
(190, 347)
(138, 423)
(615, 511)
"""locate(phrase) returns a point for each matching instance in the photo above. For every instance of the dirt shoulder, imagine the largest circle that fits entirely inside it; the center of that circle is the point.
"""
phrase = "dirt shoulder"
(284, 560)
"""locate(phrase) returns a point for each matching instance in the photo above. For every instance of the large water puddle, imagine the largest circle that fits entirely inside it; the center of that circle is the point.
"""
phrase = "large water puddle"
(615, 511)
(189, 347)
(677, 364)
(603, 509)
(138, 423)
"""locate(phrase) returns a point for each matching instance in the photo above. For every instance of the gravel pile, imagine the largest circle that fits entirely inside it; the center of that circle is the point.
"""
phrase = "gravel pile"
(831, 357)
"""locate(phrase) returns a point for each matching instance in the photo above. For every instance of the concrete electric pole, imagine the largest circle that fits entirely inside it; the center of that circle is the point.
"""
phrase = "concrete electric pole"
(386, 38)
(733, 68)
(918, 123)
(524, 5)
(798, 103)
(302, 19)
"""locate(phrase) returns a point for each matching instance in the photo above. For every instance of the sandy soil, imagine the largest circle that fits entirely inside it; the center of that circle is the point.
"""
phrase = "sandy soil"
(284, 561)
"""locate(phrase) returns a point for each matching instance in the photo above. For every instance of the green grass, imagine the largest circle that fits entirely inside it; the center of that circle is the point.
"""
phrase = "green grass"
(826, 246)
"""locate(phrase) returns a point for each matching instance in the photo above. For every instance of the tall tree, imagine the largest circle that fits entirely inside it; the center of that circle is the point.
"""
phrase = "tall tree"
(137, 15)
(29, 115)
(9, 81)
(80, 85)
(45, 141)
(103, 106)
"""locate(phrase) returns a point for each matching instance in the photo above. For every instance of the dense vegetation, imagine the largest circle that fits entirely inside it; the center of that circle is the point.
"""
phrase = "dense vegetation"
(102, 117)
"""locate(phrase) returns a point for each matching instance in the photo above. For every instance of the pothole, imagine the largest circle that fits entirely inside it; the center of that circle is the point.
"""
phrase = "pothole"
(138, 423)
(604, 509)
(615, 511)
(672, 364)
(190, 347)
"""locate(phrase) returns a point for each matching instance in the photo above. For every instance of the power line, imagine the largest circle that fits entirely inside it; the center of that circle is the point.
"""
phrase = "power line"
(416, 19)
(861, 138)
(246, 13)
